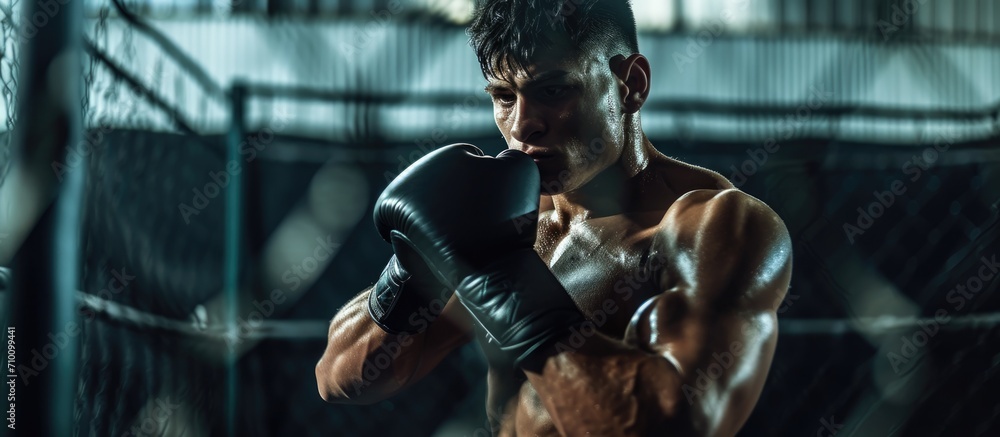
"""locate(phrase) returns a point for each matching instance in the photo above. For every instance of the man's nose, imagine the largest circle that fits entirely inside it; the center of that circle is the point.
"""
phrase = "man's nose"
(528, 123)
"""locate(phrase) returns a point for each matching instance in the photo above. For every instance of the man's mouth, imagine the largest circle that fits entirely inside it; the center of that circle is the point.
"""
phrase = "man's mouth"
(539, 155)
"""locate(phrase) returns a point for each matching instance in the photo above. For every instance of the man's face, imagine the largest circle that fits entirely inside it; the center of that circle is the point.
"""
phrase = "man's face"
(566, 116)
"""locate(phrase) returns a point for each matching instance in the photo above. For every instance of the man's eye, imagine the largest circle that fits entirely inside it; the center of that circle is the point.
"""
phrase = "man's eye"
(555, 91)
(505, 99)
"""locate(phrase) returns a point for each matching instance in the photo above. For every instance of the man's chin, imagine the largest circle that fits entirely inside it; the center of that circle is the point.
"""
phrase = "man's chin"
(553, 184)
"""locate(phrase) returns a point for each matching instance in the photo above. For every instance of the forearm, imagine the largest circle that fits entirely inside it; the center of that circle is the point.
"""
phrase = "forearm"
(606, 387)
(364, 364)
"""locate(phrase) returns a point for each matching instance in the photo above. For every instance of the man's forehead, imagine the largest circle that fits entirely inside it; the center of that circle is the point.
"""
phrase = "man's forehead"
(543, 69)
(524, 78)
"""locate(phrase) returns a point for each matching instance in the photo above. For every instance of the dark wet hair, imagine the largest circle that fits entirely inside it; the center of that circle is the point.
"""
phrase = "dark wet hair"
(506, 34)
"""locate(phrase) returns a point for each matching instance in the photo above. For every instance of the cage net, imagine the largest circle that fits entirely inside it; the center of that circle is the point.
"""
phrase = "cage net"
(133, 377)
(890, 327)
(8, 79)
(153, 358)
(875, 336)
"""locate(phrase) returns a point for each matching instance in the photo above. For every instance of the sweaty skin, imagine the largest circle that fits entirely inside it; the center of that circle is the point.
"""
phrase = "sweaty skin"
(679, 273)
(700, 310)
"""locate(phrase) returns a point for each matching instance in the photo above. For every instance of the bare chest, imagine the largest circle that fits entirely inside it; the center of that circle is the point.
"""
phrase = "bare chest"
(608, 268)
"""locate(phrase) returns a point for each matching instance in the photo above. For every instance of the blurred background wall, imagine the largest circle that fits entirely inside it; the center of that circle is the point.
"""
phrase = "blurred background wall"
(871, 127)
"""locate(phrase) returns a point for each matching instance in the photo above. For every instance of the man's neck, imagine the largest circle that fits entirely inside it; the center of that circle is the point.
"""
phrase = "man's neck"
(618, 189)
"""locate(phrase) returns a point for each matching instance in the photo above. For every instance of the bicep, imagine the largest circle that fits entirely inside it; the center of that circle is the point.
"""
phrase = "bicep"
(721, 356)
(715, 321)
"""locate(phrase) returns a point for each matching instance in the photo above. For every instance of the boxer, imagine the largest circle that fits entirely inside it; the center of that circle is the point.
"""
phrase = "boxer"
(612, 289)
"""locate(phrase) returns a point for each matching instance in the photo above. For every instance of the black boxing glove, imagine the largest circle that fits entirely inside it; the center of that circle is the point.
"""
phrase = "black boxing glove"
(456, 209)
(432, 238)
(484, 246)
(520, 305)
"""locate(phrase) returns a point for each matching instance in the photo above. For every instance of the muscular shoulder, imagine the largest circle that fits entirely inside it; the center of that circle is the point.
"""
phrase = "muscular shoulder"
(683, 177)
(722, 240)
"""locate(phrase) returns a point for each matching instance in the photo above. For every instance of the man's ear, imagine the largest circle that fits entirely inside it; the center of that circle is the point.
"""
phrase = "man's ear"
(633, 80)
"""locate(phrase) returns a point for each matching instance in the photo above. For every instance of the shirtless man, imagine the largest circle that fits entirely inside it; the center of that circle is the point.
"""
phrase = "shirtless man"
(639, 299)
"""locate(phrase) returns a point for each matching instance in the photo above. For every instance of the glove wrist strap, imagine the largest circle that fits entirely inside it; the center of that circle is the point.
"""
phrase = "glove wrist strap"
(390, 305)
